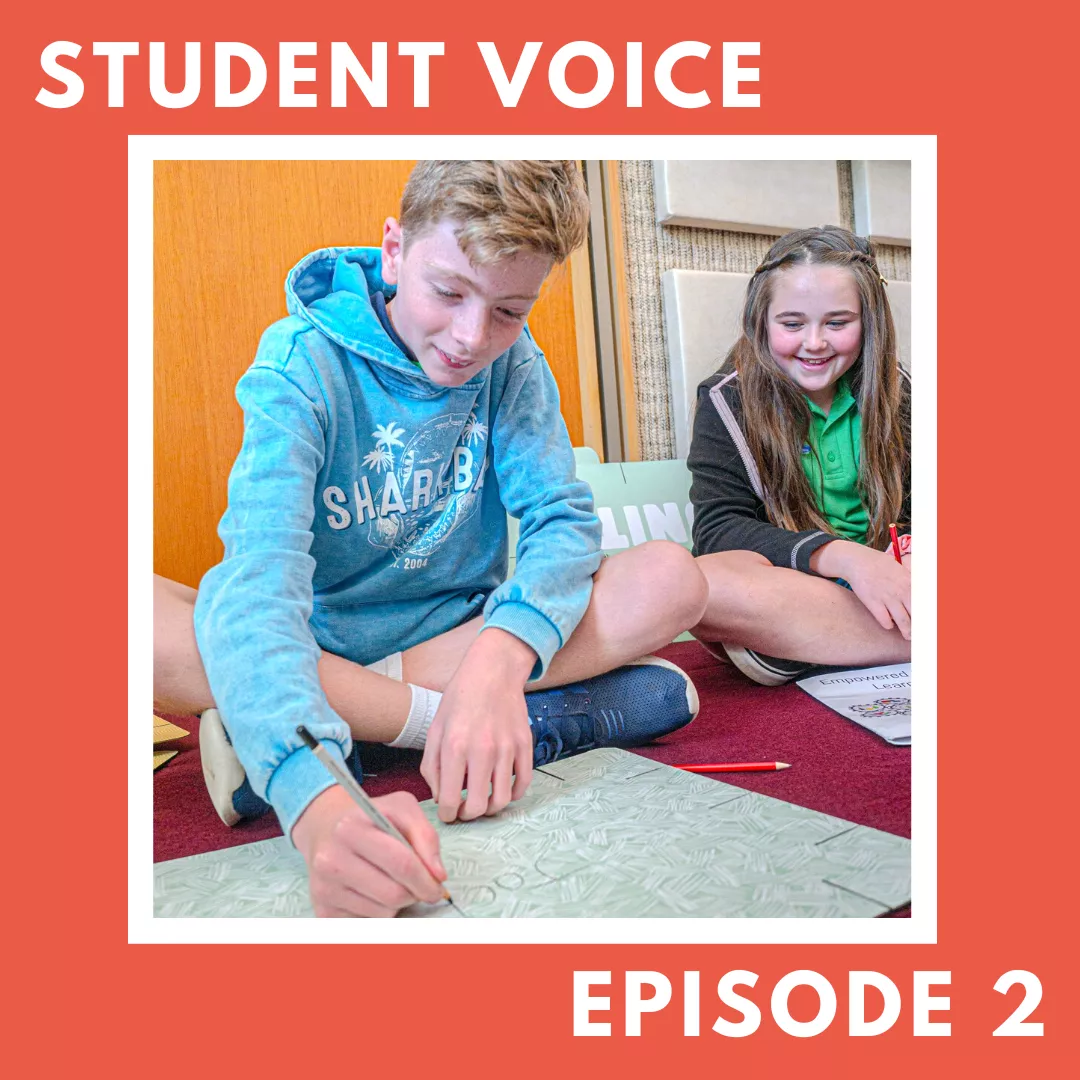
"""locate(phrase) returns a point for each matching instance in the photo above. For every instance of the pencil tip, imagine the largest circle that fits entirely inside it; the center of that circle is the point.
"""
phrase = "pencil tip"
(782, 765)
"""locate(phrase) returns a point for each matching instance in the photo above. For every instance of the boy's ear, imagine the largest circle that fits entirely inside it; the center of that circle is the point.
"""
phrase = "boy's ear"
(392, 250)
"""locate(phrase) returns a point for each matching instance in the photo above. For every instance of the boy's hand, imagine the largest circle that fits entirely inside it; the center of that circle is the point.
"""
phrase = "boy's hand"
(876, 578)
(480, 736)
(356, 869)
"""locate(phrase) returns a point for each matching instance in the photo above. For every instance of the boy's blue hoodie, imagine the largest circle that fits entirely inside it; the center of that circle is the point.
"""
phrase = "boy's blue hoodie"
(367, 513)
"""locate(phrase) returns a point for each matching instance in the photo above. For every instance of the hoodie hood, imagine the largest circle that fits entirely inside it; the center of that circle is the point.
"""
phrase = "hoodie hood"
(331, 290)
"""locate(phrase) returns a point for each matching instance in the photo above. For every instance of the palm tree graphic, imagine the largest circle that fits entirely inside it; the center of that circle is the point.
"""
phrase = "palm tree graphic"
(474, 430)
(379, 459)
(388, 435)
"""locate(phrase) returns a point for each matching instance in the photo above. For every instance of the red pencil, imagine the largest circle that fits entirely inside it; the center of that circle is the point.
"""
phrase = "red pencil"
(737, 766)
(895, 544)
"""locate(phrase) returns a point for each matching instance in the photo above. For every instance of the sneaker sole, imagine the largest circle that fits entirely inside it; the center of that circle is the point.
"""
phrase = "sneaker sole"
(693, 703)
(221, 767)
(753, 669)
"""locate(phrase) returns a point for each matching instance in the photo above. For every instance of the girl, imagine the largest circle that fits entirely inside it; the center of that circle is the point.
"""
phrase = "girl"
(801, 460)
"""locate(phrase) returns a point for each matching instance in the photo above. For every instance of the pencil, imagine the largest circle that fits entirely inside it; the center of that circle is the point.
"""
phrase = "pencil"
(895, 543)
(357, 793)
(737, 766)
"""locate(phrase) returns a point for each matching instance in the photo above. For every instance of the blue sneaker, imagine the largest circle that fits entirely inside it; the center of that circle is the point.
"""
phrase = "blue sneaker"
(228, 785)
(629, 706)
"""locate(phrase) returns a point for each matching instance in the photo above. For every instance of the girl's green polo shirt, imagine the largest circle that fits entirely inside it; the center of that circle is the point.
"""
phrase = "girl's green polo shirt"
(834, 471)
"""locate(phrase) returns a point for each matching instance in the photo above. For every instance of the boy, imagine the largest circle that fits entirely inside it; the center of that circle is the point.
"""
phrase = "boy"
(391, 422)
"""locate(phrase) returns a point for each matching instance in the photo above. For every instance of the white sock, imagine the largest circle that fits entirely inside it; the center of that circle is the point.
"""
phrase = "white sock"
(421, 713)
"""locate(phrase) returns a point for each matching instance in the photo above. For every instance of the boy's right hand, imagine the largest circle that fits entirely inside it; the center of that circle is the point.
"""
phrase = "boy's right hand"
(356, 869)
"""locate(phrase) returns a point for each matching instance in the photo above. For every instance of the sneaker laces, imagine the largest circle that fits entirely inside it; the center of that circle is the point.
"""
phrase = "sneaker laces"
(548, 746)
(572, 728)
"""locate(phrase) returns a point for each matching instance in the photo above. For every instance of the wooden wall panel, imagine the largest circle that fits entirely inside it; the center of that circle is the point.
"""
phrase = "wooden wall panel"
(225, 235)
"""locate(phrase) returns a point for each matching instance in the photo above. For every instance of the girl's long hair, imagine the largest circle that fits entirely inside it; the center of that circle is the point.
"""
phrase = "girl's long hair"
(777, 418)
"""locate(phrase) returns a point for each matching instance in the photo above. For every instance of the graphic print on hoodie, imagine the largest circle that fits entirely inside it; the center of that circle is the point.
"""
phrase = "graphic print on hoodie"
(413, 495)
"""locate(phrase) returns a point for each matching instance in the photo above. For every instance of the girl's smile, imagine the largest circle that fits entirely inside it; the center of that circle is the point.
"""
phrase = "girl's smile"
(815, 327)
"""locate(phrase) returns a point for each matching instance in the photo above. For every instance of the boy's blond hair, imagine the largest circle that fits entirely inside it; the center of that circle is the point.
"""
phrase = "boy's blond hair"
(501, 207)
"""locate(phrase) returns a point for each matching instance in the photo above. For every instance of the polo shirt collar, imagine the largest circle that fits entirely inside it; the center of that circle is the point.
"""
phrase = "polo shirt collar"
(842, 402)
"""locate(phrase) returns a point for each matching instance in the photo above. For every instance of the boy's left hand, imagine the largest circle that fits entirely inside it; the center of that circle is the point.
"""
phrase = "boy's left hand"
(480, 736)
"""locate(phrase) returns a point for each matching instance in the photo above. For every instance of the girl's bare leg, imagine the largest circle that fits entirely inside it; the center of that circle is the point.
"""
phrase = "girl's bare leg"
(792, 615)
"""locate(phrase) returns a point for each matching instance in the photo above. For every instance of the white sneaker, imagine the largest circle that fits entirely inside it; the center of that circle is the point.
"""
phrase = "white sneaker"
(222, 771)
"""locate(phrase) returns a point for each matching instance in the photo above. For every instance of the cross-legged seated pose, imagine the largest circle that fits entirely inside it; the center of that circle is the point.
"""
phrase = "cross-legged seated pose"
(391, 422)
(801, 461)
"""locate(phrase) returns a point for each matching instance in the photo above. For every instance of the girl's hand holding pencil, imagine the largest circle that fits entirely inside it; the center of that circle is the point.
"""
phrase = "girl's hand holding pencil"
(876, 578)
(884, 587)
(900, 546)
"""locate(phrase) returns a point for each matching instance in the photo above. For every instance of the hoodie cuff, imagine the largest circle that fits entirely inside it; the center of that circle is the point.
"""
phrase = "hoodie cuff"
(297, 781)
(528, 624)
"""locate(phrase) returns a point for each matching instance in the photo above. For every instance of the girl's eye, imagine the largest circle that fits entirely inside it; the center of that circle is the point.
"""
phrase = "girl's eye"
(791, 325)
(838, 325)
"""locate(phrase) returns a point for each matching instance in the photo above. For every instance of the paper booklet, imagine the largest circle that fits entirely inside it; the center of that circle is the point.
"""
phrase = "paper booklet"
(879, 698)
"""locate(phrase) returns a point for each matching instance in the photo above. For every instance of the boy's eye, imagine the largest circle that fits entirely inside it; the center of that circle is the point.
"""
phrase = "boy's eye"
(446, 294)
(517, 316)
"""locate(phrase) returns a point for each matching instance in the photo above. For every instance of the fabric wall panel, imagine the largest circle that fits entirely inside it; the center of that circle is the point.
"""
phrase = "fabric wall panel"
(702, 310)
(750, 196)
(882, 200)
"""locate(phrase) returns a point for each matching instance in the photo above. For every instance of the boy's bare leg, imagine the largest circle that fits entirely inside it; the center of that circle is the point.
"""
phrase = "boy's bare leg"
(180, 684)
(641, 599)
(789, 614)
(374, 706)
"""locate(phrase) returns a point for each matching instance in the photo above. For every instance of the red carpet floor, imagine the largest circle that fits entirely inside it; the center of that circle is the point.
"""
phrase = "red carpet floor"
(838, 767)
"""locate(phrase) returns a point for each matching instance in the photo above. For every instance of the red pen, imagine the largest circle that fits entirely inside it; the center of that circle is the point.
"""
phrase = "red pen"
(895, 544)
(737, 766)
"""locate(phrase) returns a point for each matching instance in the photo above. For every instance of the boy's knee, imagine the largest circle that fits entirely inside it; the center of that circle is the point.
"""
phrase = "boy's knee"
(174, 613)
(176, 656)
(732, 578)
(675, 575)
